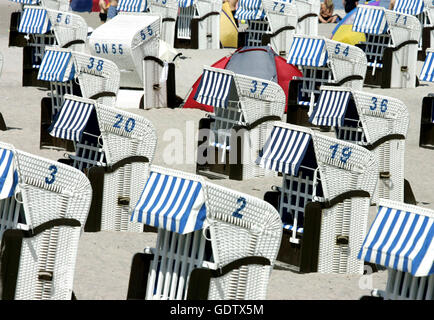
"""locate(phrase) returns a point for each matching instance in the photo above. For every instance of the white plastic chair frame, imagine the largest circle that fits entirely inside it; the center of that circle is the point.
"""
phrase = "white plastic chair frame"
(253, 105)
(231, 258)
(333, 200)
(39, 254)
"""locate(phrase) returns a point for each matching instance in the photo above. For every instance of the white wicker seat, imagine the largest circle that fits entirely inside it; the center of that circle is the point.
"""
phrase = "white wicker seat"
(426, 135)
(71, 72)
(401, 239)
(212, 243)
(324, 199)
(379, 123)
(244, 108)
(391, 46)
(114, 148)
(322, 61)
(198, 24)
(48, 203)
(269, 21)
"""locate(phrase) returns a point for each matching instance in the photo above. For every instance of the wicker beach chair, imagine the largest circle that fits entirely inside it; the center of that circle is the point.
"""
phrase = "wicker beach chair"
(198, 24)
(71, 72)
(45, 27)
(244, 109)
(391, 46)
(131, 40)
(378, 123)
(269, 22)
(324, 198)
(322, 61)
(212, 243)
(114, 148)
(401, 239)
(43, 209)
(426, 135)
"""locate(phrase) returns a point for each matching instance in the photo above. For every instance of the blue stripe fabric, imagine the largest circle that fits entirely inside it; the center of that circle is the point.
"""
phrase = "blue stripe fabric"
(249, 10)
(185, 3)
(8, 174)
(427, 72)
(308, 52)
(401, 240)
(56, 66)
(71, 120)
(290, 227)
(26, 1)
(131, 5)
(284, 150)
(370, 20)
(35, 21)
(214, 89)
(171, 203)
(412, 7)
(331, 108)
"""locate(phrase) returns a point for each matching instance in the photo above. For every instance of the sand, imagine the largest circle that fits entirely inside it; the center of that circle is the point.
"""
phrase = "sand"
(104, 258)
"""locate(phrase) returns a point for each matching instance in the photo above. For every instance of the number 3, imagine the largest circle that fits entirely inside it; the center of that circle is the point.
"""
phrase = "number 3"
(53, 169)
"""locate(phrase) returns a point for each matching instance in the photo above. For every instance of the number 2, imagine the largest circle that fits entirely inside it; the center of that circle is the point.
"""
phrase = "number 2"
(236, 213)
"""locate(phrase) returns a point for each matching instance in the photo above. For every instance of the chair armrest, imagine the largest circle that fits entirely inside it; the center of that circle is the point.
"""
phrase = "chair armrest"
(198, 286)
(256, 123)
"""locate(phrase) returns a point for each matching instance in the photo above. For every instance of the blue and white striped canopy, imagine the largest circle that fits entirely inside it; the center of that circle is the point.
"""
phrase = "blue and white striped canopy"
(56, 66)
(26, 1)
(412, 7)
(131, 5)
(370, 19)
(309, 52)
(185, 3)
(214, 88)
(35, 21)
(401, 240)
(249, 10)
(427, 72)
(171, 203)
(71, 120)
(8, 174)
(331, 108)
(284, 150)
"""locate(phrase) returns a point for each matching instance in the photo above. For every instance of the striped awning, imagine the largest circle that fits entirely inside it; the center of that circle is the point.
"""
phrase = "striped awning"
(427, 72)
(26, 1)
(249, 10)
(331, 108)
(284, 150)
(185, 3)
(308, 52)
(56, 66)
(71, 120)
(35, 21)
(412, 7)
(171, 203)
(8, 174)
(214, 89)
(131, 5)
(402, 240)
(370, 20)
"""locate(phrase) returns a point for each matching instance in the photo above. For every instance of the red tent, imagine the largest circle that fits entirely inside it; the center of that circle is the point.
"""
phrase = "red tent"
(268, 65)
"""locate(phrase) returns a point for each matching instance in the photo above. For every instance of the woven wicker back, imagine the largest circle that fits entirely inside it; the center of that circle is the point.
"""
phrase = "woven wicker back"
(402, 27)
(68, 27)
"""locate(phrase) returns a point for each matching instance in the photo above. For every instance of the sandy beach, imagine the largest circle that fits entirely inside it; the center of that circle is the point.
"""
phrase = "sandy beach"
(104, 258)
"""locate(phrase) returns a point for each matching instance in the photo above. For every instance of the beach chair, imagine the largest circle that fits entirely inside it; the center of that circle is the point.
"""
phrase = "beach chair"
(131, 40)
(43, 206)
(376, 122)
(212, 243)
(401, 239)
(324, 198)
(114, 148)
(269, 22)
(391, 46)
(426, 135)
(3, 126)
(198, 24)
(71, 72)
(244, 108)
(322, 61)
(48, 27)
